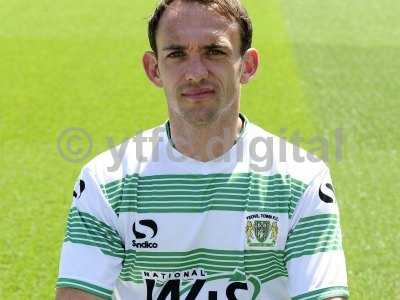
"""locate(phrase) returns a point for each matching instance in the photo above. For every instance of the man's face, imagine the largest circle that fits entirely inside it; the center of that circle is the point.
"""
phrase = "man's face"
(199, 62)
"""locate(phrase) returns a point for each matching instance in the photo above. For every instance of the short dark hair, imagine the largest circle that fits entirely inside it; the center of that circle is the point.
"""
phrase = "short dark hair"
(232, 9)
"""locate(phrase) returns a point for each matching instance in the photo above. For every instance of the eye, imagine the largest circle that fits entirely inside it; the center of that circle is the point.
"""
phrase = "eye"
(176, 54)
(215, 52)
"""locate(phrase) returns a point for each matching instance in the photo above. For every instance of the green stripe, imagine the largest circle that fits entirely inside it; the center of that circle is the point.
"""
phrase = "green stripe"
(314, 249)
(238, 208)
(266, 265)
(314, 218)
(336, 291)
(211, 176)
(87, 287)
(83, 228)
(228, 191)
(314, 234)
(196, 193)
(321, 233)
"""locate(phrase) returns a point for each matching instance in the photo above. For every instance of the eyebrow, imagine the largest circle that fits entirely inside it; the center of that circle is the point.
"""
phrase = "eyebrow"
(208, 47)
(217, 46)
(173, 47)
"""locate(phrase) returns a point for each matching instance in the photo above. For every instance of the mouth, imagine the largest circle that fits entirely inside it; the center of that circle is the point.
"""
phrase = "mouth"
(198, 94)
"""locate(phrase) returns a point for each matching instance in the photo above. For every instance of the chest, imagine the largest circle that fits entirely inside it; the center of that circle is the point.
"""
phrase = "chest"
(203, 230)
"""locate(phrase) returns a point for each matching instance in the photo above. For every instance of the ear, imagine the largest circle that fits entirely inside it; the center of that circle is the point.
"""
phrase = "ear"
(249, 65)
(150, 66)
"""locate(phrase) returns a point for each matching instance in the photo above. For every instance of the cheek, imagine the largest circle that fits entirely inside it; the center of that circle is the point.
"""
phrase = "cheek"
(168, 82)
(231, 77)
(228, 71)
(170, 76)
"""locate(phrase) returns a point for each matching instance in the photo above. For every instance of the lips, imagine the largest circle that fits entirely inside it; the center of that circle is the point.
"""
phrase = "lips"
(198, 93)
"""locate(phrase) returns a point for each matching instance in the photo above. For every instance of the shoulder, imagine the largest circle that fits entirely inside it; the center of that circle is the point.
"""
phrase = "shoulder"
(283, 157)
(126, 158)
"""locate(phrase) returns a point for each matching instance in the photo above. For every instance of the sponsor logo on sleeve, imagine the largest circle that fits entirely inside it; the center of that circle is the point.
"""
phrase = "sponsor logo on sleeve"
(77, 193)
(327, 193)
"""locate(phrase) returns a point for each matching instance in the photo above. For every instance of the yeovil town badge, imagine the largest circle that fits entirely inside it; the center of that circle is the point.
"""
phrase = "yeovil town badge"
(261, 230)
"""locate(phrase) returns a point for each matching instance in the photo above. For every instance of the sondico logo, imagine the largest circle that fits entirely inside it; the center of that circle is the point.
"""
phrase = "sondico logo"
(146, 227)
(327, 193)
(77, 194)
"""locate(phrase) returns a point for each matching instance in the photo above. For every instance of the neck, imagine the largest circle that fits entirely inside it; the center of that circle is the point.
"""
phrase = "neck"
(205, 143)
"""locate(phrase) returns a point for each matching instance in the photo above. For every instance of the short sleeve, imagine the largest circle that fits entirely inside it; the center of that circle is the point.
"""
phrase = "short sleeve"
(313, 251)
(92, 252)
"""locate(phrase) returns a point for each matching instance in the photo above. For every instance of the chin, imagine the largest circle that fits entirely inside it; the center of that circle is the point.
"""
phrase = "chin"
(200, 118)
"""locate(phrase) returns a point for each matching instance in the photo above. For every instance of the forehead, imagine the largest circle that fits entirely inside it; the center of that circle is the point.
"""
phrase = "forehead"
(194, 23)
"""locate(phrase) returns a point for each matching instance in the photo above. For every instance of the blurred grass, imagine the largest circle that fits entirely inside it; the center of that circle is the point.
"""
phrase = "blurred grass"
(348, 54)
(325, 65)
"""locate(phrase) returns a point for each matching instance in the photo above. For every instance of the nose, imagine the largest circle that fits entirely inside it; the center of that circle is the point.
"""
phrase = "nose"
(196, 70)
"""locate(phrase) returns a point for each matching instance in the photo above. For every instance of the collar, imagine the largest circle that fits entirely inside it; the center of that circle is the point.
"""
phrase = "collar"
(241, 116)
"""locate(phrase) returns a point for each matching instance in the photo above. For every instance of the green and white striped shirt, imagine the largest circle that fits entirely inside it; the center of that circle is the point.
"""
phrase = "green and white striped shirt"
(252, 224)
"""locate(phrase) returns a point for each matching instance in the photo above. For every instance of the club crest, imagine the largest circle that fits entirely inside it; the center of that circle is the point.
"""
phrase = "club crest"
(262, 230)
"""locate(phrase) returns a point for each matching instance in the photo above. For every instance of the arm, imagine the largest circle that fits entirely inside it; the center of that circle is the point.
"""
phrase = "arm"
(314, 255)
(92, 252)
(73, 294)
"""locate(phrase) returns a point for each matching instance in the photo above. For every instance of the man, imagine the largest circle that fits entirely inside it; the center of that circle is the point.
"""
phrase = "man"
(198, 214)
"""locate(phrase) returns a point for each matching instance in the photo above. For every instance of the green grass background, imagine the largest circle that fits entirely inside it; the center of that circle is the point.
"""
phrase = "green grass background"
(325, 65)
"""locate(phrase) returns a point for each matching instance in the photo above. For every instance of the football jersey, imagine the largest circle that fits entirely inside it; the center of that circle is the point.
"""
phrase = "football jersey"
(259, 222)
